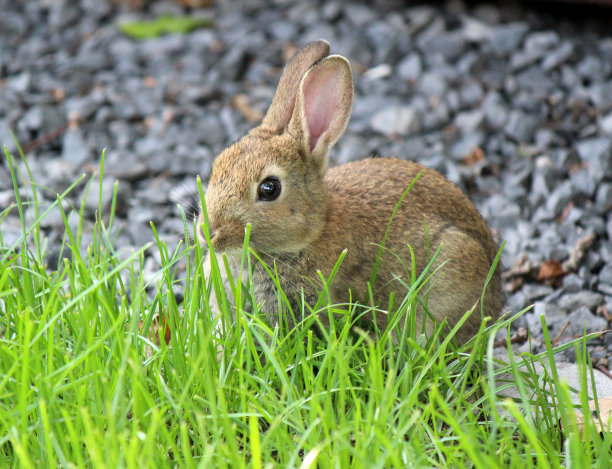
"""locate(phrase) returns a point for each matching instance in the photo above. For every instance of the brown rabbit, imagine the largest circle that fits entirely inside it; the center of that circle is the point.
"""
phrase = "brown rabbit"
(303, 215)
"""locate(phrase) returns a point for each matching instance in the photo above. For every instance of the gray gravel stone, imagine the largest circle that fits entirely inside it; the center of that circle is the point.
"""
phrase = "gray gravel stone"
(466, 144)
(448, 45)
(470, 121)
(559, 198)
(506, 38)
(402, 120)
(605, 123)
(584, 298)
(558, 56)
(125, 165)
(42, 119)
(597, 154)
(411, 67)
(582, 320)
(20, 83)
(583, 182)
(601, 96)
(74, 148)
(432, 84)
(541, 42)
(495, 110)
(605, 275)
(520, 126)
(94, 200)
(349, 149)
(593, 69)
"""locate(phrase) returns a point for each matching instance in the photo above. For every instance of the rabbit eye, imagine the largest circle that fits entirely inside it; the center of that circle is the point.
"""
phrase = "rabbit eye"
(269, 189)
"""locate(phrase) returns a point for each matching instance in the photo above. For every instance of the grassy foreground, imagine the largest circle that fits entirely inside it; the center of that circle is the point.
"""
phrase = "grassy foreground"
(100, 368)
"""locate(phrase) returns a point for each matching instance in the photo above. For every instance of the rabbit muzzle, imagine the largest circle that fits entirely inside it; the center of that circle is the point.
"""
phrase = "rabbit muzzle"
(228, 235)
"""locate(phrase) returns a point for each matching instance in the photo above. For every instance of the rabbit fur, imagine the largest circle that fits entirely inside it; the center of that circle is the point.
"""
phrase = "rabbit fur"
(320, 212)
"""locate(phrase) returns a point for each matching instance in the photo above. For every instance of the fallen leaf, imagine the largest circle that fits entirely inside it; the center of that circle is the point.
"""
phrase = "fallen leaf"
(604, 417)
(551, 273)
(476, 155)
(165, 24)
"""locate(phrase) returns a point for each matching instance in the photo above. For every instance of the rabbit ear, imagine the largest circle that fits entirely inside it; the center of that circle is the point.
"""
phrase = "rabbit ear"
(281, 109)
(323, 106)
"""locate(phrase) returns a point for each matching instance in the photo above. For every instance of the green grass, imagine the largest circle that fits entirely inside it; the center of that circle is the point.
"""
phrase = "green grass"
(85, 383)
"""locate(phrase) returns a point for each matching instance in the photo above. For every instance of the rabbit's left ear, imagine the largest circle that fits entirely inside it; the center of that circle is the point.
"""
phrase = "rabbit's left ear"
(323, 107)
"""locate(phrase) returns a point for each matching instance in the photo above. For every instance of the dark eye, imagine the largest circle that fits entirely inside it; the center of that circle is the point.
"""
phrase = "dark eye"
(269, 189)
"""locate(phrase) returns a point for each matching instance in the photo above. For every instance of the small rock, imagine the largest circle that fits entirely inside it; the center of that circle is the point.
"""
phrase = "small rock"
(582, 320)
(448, 44)
(466, 145)
(432, 84)
(20, 83)
(349, 148)
(605, 275)
(6, 197)
(558, 56)
(400, 120)
(583, 182)
(597, 153)
(62, 14)
(474, 30)
(603, 198)
(520, 126)
(436, 116)
(93, 201)
(605, 123)
(605, 252)
(83, 107)
(584, 298)
(358, 14)
(410, 67)
(541, 42)
(559, 198)
(533, 292)
(42, 119)
(507, 38)
(471, 94)
(74, 148)
(95, 8)
(572, 283)
(601, 96)
(125, 165)
(522, 59)
(592, 68)
(420, 17)
(495, 111)
(211, 131)
(470, 121)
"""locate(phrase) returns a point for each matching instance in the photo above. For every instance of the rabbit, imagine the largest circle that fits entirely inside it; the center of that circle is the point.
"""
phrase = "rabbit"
(304, 215)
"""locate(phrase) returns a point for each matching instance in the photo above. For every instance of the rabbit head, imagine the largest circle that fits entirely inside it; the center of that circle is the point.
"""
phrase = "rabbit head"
(273, 177)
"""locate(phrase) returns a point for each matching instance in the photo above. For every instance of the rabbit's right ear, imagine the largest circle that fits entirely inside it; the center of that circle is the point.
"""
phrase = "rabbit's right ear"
(323, 107)
(281, 109)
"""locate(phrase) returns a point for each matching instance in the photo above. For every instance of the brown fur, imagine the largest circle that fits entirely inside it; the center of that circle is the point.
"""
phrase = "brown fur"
(320, 213)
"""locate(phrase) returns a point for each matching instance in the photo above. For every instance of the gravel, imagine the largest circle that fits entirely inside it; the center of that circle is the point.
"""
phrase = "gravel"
(512, 103)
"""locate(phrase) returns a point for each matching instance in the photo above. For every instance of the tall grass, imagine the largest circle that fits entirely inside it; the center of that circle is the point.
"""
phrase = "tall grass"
(102, 368)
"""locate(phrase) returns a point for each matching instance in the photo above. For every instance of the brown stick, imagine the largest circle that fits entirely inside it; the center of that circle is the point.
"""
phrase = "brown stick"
(44, 139)
(604, 370)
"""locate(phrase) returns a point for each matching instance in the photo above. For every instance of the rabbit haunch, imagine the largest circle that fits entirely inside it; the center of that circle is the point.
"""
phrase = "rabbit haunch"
(317, 213)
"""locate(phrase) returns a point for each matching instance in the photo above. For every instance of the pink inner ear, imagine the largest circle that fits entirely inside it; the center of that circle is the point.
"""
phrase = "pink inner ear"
(322, 99)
